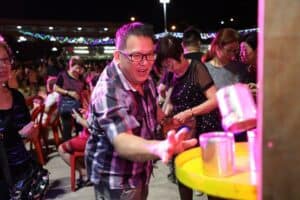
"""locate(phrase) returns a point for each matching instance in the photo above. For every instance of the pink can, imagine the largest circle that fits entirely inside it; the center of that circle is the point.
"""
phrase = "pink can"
(253, 149)
(237, 108)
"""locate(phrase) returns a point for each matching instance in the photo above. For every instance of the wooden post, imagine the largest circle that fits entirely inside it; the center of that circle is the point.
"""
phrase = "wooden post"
(279, 98)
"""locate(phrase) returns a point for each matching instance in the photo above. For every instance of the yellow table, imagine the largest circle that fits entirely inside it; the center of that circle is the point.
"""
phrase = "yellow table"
(241, 185)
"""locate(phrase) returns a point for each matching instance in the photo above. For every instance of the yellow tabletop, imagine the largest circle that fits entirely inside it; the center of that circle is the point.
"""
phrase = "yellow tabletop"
(241, 185)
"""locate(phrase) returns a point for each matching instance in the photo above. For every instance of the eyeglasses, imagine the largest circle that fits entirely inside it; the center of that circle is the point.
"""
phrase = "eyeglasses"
(138, 57)
(5, 61)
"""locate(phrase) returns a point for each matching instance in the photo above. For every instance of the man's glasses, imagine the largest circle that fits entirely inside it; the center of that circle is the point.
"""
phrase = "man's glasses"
(5, 61)
(138, 57)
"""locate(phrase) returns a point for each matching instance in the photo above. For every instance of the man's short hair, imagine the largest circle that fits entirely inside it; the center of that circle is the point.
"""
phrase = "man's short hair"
(135, 28)
(191, 37)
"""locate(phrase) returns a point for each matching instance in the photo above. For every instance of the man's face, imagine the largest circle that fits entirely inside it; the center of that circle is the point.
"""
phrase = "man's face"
(136, 59)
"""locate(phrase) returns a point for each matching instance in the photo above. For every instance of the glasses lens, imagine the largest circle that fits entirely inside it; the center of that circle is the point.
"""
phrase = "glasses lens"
(136, 57)
(151, 57)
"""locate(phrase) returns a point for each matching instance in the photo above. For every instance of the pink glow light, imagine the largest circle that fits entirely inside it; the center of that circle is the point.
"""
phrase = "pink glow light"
(261, 18)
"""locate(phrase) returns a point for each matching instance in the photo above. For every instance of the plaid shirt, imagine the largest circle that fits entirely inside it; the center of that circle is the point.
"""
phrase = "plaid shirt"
(116, 107)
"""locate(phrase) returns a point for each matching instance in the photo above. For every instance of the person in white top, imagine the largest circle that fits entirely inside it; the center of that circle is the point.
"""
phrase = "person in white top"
(51, 99)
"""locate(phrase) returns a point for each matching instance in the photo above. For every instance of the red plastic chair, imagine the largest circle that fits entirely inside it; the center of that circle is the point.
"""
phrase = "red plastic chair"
(36, 117)
(74, 157)
(54, 125)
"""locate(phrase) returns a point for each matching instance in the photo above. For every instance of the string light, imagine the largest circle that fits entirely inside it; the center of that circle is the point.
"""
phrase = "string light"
(70, 40)
(110, 41)
(204, 36)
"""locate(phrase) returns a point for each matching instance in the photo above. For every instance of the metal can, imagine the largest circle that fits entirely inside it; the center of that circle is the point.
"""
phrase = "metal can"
(217, 150)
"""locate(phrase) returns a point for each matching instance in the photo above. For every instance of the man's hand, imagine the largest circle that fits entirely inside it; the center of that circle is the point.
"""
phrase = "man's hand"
(253, 88)
(175, 143)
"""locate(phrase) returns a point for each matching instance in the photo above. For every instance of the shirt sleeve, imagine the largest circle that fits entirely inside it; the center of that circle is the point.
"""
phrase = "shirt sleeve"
(203, 76)
(60, 80)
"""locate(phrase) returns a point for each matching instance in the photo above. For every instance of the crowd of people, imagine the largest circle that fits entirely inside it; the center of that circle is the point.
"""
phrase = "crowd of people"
(151, 102)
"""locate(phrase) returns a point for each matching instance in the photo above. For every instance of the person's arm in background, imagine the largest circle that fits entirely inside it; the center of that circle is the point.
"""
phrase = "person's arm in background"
(163, 84)
(161, 89)
(79, 118)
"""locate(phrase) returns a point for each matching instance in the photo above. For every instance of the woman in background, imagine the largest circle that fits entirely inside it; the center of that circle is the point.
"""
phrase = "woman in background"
(14, 115)
(248, 56)
(77, 144)
(222, 63)
(69, 85)
(221, 59)
(193, 97)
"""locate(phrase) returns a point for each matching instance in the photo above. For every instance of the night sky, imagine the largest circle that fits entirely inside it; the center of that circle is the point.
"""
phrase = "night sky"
(182, 13)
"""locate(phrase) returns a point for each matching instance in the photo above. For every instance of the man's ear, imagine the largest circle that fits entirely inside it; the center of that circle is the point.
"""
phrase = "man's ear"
(117, 57)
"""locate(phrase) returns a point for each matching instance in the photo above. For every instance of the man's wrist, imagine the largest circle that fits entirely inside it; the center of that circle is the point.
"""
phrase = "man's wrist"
(66, 92)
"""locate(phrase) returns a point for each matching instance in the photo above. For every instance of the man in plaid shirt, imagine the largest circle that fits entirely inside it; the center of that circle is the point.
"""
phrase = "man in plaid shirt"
(123, 120)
